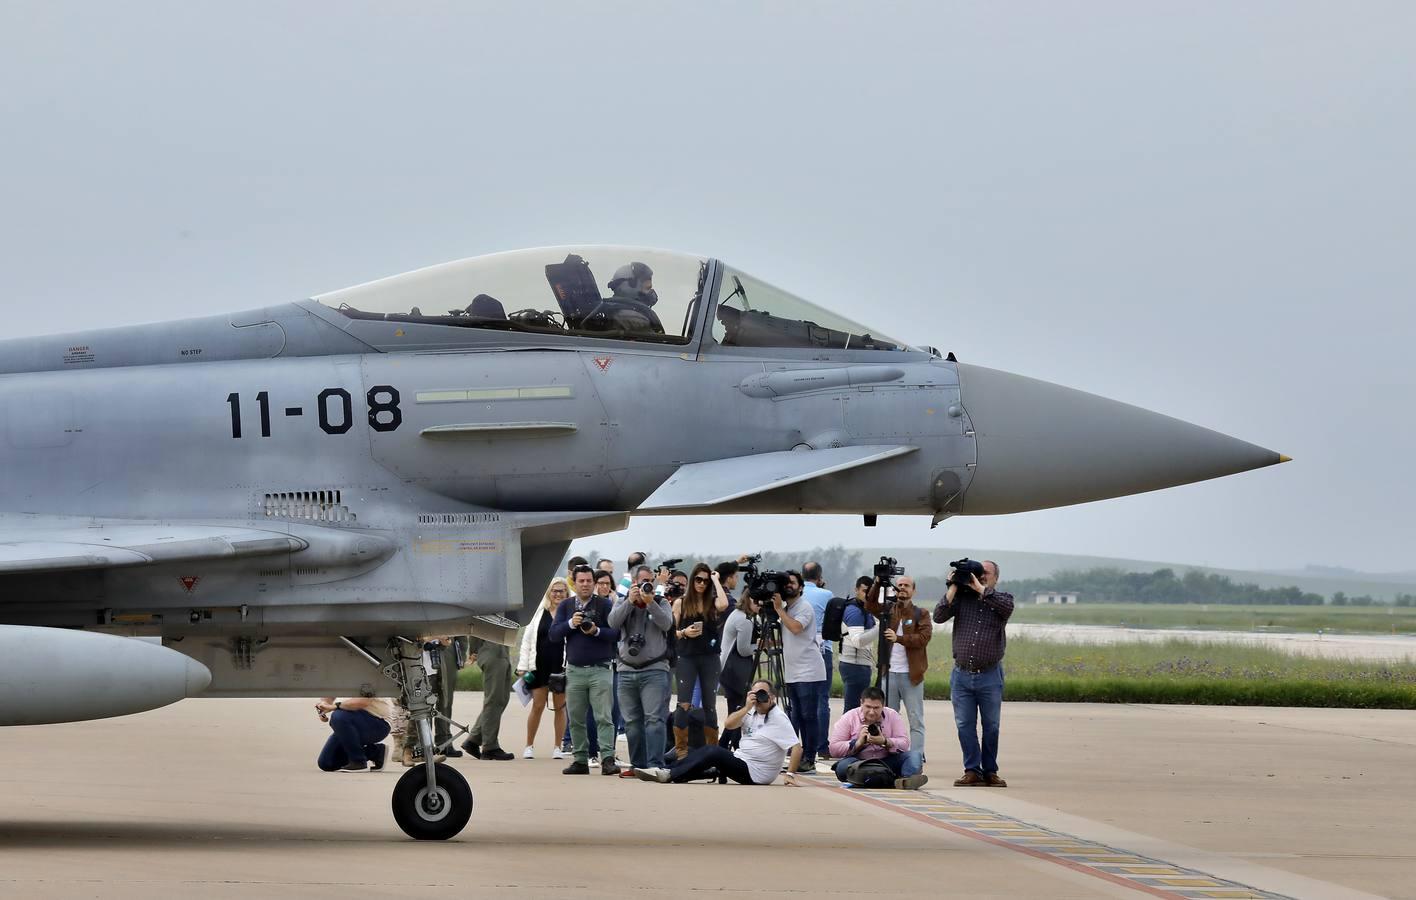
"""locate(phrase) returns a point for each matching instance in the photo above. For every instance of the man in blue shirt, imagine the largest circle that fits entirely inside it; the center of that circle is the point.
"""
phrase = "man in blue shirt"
(583, 623)
(814, 592)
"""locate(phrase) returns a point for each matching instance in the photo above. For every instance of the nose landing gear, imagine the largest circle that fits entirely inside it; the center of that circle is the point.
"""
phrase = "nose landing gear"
(431, 802)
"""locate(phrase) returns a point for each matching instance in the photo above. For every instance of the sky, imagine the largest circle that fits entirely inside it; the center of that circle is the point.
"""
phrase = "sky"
(1204, 209)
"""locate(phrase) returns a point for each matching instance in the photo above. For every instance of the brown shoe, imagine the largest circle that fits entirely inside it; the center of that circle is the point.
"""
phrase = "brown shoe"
(970, 779)
(993, 780)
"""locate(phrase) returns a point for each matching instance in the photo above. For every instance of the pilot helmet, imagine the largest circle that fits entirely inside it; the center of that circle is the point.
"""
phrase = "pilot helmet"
(629, 283)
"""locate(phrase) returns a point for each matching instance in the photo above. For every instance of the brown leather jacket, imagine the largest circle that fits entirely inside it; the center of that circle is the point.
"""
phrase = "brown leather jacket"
(914, 629)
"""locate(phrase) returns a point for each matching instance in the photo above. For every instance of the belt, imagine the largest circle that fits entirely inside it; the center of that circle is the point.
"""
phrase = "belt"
(598, 665)
(974, 670)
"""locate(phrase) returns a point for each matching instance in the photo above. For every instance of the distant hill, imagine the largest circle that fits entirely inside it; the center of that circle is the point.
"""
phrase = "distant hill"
(932, 565)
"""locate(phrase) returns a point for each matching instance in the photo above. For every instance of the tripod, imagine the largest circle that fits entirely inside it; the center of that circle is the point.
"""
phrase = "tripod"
(769, 653)
(884, 648)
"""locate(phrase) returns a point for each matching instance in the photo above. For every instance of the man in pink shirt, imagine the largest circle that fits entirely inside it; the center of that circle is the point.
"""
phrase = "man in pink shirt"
(870, 731)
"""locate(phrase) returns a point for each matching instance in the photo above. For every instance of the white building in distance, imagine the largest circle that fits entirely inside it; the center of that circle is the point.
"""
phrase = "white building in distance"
(1044, 597)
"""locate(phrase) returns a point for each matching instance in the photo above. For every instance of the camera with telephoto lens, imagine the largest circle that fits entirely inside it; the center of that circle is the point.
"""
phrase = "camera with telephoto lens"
(963, 569)
(634, 644)
(760, 696)
(873, 730)
(888, 568)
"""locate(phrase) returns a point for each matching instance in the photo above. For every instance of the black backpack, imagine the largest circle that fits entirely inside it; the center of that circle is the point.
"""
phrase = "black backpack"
(831, 627)
(870, 773)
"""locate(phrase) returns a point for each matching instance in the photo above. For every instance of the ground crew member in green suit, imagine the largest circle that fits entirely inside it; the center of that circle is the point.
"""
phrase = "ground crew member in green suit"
(495, 662)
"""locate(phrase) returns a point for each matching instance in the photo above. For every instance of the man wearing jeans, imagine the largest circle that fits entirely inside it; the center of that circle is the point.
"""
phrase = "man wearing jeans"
(583, 623)
(814, 590)
(644, 621)
(907, 633)
(804, 668)
(980, 614)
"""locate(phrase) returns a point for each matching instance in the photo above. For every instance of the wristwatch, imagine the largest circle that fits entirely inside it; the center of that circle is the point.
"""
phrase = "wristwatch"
(338, 704)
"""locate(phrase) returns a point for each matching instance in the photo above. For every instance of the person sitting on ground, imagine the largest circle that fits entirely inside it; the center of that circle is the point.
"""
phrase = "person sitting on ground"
(872, 731)
(767, 738)
(359, 725)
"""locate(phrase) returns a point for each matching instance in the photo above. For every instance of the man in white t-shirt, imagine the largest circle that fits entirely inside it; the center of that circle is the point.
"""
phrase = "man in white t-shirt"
(767, 738)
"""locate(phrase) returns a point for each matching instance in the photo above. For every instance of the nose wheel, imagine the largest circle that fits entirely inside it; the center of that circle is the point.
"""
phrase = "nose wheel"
(433, 813)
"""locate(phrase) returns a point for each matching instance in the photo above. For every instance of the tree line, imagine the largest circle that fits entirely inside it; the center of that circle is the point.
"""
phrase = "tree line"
(841, 567)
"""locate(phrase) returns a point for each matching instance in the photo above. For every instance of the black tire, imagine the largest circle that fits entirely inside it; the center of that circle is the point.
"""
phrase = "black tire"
(411, 811)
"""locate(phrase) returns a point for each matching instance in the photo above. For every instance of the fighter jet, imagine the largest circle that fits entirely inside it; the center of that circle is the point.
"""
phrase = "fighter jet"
(293, 498)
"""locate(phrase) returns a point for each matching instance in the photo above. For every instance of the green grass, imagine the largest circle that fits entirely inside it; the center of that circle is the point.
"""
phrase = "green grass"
(1333, 619)
(1174, 671)
(1180, 671)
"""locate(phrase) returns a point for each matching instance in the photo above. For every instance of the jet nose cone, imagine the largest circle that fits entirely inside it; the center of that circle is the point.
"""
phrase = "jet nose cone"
(1042, 445)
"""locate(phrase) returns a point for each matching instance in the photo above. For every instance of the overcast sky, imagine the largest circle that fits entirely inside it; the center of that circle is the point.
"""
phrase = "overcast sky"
(1205, 209)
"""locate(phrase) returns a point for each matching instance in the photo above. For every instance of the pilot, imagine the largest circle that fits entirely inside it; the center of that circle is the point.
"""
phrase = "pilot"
(634, 282)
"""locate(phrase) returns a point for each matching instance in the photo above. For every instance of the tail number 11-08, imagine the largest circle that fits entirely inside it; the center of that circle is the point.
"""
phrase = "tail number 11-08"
(334, 409)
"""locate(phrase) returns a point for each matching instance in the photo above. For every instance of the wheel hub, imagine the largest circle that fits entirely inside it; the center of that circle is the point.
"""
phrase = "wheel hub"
(433, 806)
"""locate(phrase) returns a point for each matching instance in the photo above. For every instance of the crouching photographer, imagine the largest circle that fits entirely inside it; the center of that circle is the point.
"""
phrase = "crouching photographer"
(872, 746)
(767, 738)
(644, 620)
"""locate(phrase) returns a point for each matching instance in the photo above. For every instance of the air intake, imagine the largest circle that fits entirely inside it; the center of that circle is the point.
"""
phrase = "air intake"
(313, 506)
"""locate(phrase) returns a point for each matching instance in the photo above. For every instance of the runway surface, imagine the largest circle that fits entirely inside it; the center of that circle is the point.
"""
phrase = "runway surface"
(220, 798)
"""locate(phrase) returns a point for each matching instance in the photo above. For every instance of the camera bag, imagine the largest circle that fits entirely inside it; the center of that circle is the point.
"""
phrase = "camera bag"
(870, 773)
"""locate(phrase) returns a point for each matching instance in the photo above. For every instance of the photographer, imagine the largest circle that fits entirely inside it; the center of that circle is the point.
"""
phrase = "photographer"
(907, 635)
(767, 738)
(644, 621)
(359, 725)
(583, 623)
(813, 588)
(980, 614)
(871, 731)
(861, 634)
(803, 666)
(736, 661)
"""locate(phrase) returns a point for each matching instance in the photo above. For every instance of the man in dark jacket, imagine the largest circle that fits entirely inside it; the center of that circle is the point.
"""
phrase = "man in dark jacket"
(583, 622)
(976, 685)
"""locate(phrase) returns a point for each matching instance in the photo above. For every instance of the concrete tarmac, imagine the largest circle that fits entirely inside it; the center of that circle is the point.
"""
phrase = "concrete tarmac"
(220, 798)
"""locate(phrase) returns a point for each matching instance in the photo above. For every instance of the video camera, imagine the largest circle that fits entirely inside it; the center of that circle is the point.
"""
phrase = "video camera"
(965, 570)
(887, 569)
(762, 585)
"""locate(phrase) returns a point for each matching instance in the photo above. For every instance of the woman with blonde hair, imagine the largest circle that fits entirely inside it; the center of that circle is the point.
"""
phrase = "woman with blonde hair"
(543, 658)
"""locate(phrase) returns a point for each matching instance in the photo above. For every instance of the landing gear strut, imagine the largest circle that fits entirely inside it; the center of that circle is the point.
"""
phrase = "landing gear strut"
(431, 802)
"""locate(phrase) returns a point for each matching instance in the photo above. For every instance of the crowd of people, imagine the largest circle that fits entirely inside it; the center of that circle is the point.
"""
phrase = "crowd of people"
(645, 656)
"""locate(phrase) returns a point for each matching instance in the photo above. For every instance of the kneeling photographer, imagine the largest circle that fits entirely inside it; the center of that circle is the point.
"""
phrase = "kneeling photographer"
(767, 738)
(644, 620)
(980, 614)
(871, 732)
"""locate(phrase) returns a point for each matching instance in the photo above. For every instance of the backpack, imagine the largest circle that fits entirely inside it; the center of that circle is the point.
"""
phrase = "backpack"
(831, 627)
(870, 773)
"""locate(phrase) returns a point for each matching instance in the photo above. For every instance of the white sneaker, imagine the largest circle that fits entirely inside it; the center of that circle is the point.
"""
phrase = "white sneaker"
(557, 753)
(653, 774)
(528, 753)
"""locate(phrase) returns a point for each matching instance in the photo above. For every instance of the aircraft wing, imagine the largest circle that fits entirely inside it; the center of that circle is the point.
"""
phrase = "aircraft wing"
(722, 480)
(30, 548)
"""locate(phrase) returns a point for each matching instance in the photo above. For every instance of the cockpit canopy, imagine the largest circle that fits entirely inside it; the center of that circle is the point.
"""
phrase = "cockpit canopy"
(606, 292)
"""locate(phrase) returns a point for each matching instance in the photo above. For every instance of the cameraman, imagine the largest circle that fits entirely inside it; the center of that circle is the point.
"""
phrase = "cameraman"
(980, 614)
(737, 663)
(870, 731)
(803, 665)
(767, 738)
(644, 621)
(583, 623)
(906, 649)
(860, 635)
